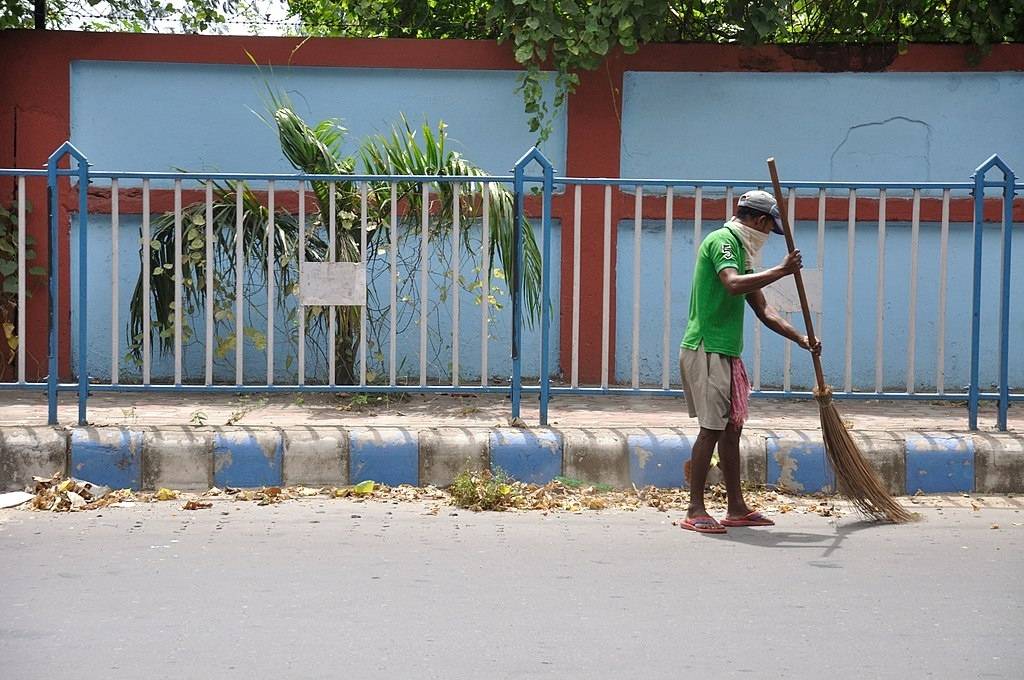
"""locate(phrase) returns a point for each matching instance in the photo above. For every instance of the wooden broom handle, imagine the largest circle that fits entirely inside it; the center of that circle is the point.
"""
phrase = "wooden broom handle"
(791, 245)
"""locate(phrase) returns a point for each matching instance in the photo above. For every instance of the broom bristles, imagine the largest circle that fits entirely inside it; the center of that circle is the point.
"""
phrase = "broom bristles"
(860, 483)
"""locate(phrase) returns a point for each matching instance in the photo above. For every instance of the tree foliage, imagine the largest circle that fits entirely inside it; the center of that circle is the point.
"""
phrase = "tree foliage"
(188, 16)
(567, 37)
(466, 19)
(571, 36)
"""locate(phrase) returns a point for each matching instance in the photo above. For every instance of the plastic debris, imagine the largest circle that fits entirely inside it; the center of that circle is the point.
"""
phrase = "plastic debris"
(58, 494)
(363, 488)
(14, 498)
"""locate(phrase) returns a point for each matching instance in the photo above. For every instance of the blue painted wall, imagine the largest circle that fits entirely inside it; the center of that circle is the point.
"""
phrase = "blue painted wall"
(255, 360)
(891, 126)
(833, 326)
(150, 116)
(146, 116)
(842, 126)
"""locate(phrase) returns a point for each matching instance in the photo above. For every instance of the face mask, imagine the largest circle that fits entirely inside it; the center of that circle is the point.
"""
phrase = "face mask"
(751, 238)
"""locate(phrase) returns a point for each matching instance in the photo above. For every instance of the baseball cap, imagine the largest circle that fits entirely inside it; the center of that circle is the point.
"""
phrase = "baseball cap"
(763, 202)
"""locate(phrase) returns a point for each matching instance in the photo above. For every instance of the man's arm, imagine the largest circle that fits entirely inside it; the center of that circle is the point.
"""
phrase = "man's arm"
(775, 321)
(738, 284)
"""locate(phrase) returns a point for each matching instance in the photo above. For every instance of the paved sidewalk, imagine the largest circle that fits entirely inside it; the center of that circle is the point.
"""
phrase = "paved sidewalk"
(483, 411)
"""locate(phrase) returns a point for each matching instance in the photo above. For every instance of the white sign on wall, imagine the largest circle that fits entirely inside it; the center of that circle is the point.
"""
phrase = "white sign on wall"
(333, 283)
(783, 297)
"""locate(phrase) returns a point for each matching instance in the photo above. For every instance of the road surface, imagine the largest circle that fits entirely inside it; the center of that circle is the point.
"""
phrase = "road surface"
(337, 588)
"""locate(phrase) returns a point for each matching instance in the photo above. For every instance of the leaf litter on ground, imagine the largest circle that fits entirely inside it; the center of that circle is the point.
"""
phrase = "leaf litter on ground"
(476, 491)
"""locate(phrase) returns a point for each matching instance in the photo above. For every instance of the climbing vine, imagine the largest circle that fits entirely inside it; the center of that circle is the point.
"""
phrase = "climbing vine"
(570, 37)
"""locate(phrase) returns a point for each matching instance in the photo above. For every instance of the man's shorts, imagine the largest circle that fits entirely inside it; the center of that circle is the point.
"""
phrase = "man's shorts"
(707, 381)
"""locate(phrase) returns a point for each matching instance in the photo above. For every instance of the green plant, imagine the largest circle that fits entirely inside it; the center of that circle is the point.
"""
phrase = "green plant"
(570, 36)
(576, 484)
(247, 406)
(317, 150)
(484, 490)
(193, 16)
(10, 334)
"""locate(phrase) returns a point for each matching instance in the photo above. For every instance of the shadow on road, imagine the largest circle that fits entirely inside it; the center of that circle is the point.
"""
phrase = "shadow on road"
(773, 537)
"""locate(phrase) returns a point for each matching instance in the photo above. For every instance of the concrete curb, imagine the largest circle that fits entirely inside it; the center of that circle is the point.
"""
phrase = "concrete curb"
(596, 457)
(110, 456)
(27, 452)
(246, 457)
(315, 456)
(939, 462)
(386, 455)
(191, 458)
(177, 458)
(796, 462)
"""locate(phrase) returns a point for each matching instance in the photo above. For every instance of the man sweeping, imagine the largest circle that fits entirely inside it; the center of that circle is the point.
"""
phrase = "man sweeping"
(714, 379)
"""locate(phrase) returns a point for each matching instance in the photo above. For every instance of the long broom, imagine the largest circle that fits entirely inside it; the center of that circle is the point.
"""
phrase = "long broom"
(858, 480)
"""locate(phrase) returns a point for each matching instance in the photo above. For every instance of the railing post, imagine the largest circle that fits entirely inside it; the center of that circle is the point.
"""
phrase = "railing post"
(545, 297)
(83, 287)
(1009, 179)
(979, 220)
(1004, 306)
(517, 287)
(518, 277)
(53, 202)
(53, 262)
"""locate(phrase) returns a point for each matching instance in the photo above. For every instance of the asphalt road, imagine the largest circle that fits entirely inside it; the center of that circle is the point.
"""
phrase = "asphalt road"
(341, 589)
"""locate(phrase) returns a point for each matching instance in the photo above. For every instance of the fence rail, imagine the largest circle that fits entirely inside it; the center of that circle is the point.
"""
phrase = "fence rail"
(424, 245)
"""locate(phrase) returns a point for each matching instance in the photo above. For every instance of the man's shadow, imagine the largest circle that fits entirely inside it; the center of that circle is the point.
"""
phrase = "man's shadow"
(771, 537)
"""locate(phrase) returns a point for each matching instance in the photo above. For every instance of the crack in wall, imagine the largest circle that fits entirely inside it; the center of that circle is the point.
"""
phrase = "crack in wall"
(849, 131)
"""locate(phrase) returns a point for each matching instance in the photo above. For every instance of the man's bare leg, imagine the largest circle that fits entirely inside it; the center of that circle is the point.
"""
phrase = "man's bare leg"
(729, 462)
(700, 462)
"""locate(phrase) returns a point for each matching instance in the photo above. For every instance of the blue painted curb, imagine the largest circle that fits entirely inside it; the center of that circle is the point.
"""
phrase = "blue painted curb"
(940, 463)
(659, 459)
(533, 456)
(387, 455)
(111, 457)
(799, 465)
(247, 459)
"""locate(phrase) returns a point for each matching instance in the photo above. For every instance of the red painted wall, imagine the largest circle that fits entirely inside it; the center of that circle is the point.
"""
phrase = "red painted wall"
(35, 120)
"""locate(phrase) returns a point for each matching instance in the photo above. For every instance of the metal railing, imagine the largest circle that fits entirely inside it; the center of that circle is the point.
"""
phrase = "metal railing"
(671, 192)
(663, 202)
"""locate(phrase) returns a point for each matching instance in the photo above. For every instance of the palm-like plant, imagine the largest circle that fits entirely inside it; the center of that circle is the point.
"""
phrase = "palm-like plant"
(317, 150)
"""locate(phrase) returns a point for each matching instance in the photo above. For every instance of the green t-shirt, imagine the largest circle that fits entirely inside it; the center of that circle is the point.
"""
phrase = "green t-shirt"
(716, 317)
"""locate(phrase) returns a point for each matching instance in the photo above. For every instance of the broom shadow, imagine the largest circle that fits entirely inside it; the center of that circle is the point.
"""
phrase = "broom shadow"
(768, 537)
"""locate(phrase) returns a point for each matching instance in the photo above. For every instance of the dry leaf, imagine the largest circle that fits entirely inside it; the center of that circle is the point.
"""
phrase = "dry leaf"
(197, 505)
